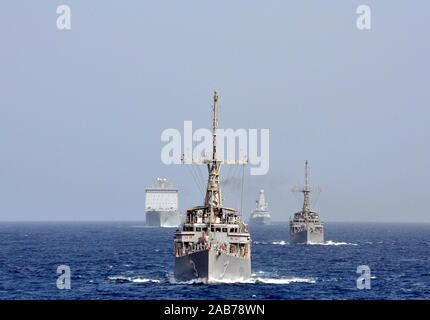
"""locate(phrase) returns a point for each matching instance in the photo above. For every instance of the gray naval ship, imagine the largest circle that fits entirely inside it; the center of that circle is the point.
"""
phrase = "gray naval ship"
(161, 204)
(306, 226)
(214, 244)
(260, 216)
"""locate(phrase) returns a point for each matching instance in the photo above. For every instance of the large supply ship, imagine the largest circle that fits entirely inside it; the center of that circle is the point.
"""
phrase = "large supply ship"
(214, 243)
(261, 215)
(161, 204)
(306, 226)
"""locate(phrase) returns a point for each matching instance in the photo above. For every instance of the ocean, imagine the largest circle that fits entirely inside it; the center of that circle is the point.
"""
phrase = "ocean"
(126, 260)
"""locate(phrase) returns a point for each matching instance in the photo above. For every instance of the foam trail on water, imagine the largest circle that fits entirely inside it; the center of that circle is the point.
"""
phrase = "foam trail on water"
(281, 243)
(260, 242)
(252, 280)
(173, 280)
(132, 279)
(257, 280)
(333, 243)
(326, 243)
(283, 280)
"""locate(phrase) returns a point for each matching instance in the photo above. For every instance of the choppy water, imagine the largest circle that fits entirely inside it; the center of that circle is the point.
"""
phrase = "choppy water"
(130, 261)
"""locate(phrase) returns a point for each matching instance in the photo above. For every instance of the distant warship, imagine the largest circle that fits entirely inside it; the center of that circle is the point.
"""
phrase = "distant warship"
(260, 216)
(214, 243)
(161, 204)
(306, 226)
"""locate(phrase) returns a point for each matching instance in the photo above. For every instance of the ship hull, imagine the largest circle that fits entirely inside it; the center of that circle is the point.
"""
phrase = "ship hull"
(259, 221)
(306, 237)
(212, 266)
(163, 218)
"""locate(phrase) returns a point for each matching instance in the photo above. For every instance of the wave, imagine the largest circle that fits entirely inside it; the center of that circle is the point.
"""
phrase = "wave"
(333, 243)
(252, 280)
(326, 243)
(260, 242)
(132, 279)
(258, 272)
(281, 243)
(282, 280)
(173, 280)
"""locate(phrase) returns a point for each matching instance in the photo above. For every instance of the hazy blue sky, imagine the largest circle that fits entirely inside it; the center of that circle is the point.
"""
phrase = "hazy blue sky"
(82, 111)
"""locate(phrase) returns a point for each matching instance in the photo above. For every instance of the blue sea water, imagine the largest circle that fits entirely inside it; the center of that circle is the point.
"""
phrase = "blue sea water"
(130, 261)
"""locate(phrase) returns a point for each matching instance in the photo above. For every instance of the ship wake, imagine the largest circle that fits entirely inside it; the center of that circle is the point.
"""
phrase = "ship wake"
(333, 243)
(279, 243)
(263, 280)
(325, 243)
(252, 280)
(132, 279)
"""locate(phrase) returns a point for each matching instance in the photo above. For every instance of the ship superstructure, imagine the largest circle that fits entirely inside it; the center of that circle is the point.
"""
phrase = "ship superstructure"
(261, 214)
(306, 226)
(214, 243)
(161, 205)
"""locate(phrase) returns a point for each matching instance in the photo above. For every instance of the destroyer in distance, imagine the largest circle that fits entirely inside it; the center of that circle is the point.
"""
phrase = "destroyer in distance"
(260, 216)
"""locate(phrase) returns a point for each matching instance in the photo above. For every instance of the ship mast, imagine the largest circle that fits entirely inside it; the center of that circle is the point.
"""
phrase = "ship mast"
(213, 192)
(306, 191)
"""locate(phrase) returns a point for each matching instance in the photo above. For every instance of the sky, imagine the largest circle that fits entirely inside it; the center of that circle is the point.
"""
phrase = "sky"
(82, 110)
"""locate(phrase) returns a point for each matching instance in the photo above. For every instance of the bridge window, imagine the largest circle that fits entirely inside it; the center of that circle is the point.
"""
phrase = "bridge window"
(224, 229)
(198, 229)
(218, 229)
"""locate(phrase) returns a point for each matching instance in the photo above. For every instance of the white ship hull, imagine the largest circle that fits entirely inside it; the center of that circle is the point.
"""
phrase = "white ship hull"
(168, 219)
